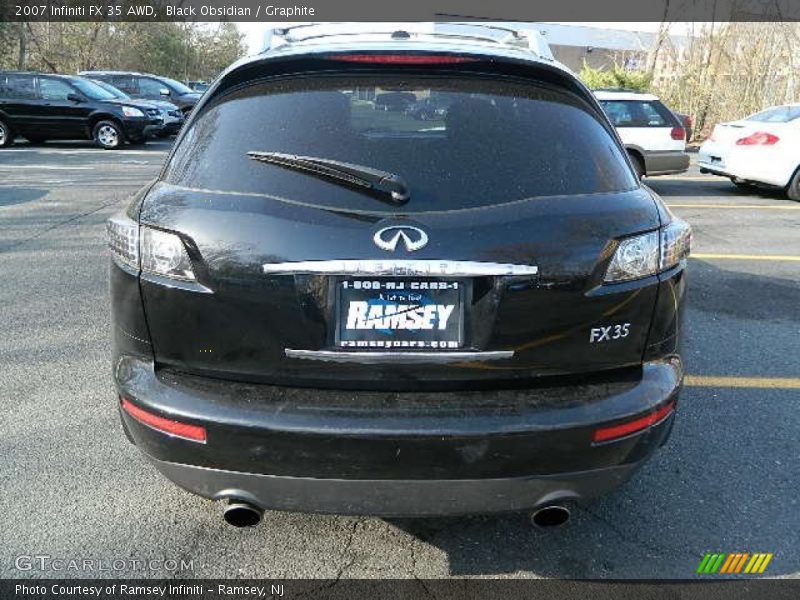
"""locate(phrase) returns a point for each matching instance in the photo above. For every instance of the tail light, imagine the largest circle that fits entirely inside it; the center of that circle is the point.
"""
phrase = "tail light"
(150, 250)
(615, 432)
(403, 59)
(123, 240)
(187, 431)
(759, 138)
(650, 253)
(678, 133)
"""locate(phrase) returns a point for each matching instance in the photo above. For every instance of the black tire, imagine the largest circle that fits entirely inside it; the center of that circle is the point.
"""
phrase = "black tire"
(6, 135)
(108, 135)
(638, 164)
(793, 189)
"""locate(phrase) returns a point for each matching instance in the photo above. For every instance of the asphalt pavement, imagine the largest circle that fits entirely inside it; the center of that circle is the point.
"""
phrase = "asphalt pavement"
(73, 488)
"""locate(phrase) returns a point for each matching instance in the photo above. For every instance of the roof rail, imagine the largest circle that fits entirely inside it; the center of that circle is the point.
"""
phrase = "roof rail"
(522, 38)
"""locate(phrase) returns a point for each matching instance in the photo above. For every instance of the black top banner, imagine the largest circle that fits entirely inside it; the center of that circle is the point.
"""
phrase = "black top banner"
(407, 10)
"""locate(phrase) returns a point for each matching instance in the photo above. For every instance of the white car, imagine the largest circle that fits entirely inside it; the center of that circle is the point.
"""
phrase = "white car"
(653, 135)
(762, 149)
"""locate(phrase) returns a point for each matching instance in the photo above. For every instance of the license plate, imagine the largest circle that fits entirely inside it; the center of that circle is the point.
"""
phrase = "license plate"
(400, 314)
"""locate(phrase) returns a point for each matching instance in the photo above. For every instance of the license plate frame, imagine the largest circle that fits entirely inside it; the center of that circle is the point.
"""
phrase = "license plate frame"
(397, 328)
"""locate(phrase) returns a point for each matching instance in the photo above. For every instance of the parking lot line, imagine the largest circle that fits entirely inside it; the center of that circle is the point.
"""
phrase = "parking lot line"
(737, 206)
(774, 383)
(770, 257)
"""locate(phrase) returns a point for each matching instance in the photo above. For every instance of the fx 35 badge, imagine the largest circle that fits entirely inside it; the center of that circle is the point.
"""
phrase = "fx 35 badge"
(607, 333)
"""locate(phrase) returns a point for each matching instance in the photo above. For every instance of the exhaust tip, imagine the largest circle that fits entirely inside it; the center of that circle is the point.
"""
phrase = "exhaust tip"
(242, 514)
(551, 516)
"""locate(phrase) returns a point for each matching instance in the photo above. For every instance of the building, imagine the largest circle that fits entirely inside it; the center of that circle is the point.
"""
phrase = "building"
(600, 48)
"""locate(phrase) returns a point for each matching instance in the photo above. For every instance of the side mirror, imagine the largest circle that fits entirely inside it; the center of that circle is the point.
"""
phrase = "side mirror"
(73, 97)
(164, 92)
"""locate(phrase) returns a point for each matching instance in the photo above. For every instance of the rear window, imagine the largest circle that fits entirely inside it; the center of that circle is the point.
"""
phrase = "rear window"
(779, 114)
(638, 113)
(458, 143)
(17, 87)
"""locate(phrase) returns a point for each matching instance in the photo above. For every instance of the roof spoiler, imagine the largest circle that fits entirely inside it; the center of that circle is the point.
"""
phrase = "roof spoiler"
(501, 34)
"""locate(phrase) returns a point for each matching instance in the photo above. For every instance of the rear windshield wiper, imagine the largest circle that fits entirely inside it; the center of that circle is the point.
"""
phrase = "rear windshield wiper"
(381, 184)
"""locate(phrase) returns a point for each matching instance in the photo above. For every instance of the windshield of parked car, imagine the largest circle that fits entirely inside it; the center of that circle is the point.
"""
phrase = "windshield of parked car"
(91, 89)
(778, 114)
(116, 92)
(477, 142)
(177, 86)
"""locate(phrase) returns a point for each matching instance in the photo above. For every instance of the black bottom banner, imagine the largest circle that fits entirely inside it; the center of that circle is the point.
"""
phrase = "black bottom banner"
(404, 589)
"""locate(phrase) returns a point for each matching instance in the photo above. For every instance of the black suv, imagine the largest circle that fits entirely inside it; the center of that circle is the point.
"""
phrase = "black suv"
(149, 87)
(321, 306)
(43, 107)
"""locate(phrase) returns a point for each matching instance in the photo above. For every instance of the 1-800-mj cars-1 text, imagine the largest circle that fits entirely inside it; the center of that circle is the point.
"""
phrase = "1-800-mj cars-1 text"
(398, 274)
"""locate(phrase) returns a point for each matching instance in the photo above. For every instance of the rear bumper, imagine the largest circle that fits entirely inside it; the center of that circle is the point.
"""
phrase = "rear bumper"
(665, 163)
(395, 498)
(431, 453)
(756, 165)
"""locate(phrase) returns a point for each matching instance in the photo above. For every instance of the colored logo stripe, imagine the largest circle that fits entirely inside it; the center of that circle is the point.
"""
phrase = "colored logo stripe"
(758, 563)
(734, 562)
(710, 563)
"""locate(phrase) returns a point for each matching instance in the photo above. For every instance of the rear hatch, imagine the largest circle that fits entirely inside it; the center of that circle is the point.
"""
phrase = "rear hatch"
(726, 134)
(492, 269)
(724, 138)
(773, 121)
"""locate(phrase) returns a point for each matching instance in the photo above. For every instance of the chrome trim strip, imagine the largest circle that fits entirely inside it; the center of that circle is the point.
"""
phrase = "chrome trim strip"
(410, 358)
(421, 268)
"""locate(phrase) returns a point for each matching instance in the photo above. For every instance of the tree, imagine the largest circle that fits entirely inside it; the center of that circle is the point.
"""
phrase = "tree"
(179, 50)
(727, 71)
(617, 77)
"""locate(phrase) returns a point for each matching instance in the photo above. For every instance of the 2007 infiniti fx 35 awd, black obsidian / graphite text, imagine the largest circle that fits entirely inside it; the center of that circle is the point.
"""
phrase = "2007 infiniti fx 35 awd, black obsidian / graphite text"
(322, 304)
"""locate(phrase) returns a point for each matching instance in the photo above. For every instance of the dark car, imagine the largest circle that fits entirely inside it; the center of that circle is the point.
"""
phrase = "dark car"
(149, 87)
(394, 101)
(41, 107)
(198, 86)
(323, 307)
(427, 109)
(688, 125)
(171, 115)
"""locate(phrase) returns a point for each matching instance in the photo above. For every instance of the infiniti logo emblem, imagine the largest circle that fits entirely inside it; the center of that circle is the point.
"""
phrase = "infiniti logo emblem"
(388, 238)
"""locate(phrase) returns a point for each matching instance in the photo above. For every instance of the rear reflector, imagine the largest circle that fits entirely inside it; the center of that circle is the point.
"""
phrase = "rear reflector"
(759, 138)
(402, 59)
(677, 133)
(624, 429)
(196, 433)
